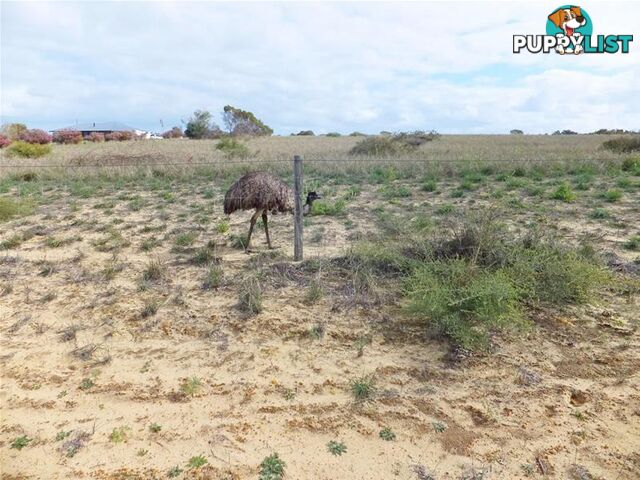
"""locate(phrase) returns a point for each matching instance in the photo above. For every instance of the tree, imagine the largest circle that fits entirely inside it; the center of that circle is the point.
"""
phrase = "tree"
(241, 122)
(515, 131)
(199, 125)
(14, 130)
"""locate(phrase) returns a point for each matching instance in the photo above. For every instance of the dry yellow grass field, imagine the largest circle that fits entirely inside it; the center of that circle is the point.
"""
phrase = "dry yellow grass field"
(127, 350)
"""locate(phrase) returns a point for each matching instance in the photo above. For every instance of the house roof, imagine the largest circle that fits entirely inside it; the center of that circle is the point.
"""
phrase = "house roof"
(99, 127)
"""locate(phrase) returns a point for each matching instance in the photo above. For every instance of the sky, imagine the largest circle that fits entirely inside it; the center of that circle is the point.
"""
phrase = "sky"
(321, 66)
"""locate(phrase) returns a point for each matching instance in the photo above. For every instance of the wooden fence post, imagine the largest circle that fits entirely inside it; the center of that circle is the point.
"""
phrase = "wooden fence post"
(297, 222)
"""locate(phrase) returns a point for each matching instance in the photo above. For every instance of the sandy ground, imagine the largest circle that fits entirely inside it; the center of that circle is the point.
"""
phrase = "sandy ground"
(562, 402)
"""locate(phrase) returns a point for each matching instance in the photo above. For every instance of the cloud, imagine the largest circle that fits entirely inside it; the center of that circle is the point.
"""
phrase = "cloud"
(321, 66)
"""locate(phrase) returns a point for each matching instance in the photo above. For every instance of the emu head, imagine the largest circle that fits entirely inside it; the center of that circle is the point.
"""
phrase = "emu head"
(311, 197)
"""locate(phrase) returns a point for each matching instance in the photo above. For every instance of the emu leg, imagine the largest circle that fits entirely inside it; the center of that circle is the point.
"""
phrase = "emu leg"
(253, 222)
(266, 227)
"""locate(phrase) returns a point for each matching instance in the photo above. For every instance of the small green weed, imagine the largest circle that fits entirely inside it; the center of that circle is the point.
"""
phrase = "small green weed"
(62, 435)
(387, 434)
(191, 386)
(186, 239)
(315, 292)
(12, 242)
(317, 331)
(213, 278)
(272, 468)
(363, 388)
(564, 193)
(633, 243)
(174, 472)
(86, 384)
(120, 434)
(600, 214)
(336, 448)
(222, 226)
(438, 427)
(612, 195)
(197, 461)
(19, 443)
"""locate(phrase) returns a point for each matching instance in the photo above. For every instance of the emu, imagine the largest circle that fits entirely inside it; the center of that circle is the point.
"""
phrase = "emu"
(265, 193)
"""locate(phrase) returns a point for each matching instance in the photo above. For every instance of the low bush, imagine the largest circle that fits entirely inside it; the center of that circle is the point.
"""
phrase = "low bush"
(67, 136)
(378, 146)
(10, 208)
(416, 138)
(4, 141)
(627, 144)
(399, 143)
(464, 302)
(305, 133)
(480, 280)
(36, 136)
(633, 243)
(631, 165)
(612, 195)
(28, 150)
(321, 207)
(232, 148)
(118, 136)
(334, 134)
(96, 137)
(175, 132)
(564, 193)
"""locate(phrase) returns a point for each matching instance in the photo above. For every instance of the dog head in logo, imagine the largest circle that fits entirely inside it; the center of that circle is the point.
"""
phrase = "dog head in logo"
(568, 19)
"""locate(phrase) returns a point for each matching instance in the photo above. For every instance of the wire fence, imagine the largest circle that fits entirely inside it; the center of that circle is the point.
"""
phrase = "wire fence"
(354, 161)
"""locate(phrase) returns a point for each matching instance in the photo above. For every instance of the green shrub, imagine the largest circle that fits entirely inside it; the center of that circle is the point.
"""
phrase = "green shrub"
(395, 191)
(623, 144)
(336, 448)
(612, 195)
(546, 273)
(28, 150)
(321, 207)
(631, 165)
(564, 193)
(600, 214)
(463, 301)
(232, 148)
(429, 186)
(19, 443)
(10, 208)
(633, 243)
(272, 468)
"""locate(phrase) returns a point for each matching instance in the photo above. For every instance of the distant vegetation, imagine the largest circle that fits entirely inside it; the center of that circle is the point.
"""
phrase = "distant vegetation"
(623, 144)
(393, 145)
(175, 132)
(242, 122)
(67, 136)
